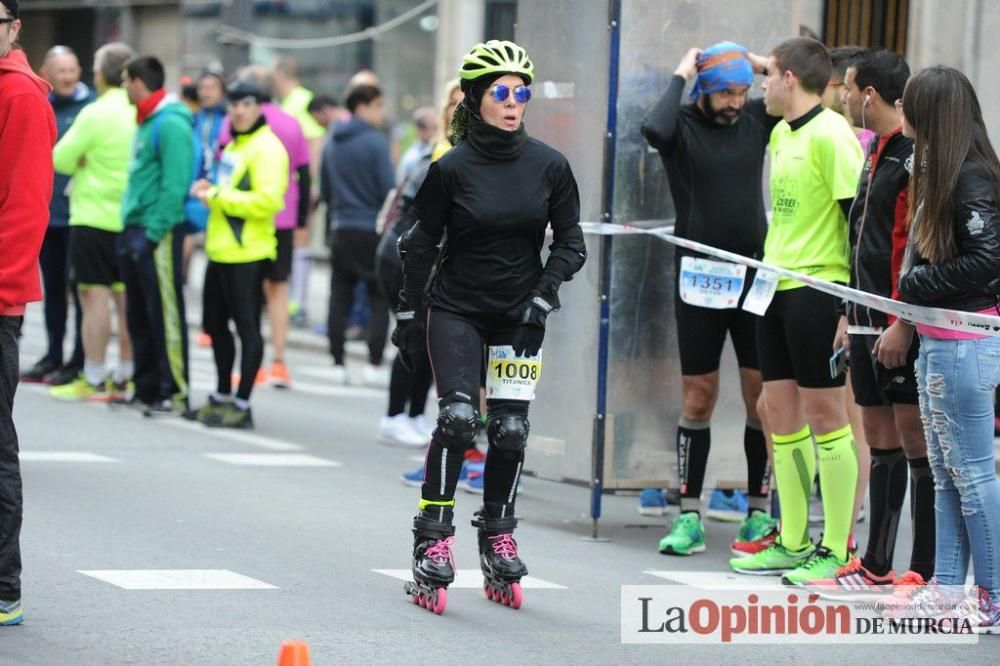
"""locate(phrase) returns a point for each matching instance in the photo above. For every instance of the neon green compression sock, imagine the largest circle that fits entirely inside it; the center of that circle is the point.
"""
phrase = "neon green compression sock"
(794, 470)
(838, 481)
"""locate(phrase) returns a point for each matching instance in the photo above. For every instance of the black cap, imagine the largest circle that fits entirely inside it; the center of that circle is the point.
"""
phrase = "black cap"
(11, 6)
(241, 89)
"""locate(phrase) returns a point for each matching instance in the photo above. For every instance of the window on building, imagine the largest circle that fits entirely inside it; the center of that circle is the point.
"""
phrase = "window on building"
(501, 15)
(866, 23)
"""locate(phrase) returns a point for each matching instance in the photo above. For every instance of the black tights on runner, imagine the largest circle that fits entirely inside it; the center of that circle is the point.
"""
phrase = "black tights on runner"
(456, 344)
(407, 387)
(235, 292)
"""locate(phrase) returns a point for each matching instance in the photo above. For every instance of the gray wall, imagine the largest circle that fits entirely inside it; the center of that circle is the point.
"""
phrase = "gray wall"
(961, 34)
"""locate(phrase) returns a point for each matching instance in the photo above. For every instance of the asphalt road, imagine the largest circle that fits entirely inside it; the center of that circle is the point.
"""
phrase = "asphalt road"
(160, 542)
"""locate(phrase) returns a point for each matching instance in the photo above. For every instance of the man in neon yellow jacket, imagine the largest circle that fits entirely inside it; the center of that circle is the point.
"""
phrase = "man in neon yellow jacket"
(96, 151)
(240, 241)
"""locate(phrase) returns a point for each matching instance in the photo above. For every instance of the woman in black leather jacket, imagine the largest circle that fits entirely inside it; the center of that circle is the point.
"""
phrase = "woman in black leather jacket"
(953, 261)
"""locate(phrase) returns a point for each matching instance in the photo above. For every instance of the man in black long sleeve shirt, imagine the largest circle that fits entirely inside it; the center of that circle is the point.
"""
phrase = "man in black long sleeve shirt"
(713, 151)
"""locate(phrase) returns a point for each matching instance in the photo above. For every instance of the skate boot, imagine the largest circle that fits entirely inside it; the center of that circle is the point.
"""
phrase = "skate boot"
(433, 561)
(502, 568)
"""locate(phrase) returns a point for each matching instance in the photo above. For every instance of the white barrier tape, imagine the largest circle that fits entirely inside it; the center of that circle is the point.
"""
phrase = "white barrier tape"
(967, 322)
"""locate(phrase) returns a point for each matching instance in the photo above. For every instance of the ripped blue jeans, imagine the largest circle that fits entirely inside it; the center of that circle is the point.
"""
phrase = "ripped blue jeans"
(956, 380)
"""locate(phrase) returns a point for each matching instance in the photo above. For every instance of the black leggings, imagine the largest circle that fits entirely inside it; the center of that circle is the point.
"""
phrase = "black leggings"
(412, 387)
(235, 291)
(456, 343)
(54, 261)
(404, 386)
(353, 261)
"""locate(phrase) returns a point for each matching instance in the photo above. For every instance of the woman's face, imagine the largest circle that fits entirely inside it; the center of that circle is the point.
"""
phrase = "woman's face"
(506, 114)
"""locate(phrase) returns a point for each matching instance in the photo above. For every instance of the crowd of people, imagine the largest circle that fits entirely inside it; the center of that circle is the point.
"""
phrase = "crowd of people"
(885, 182)
(879, 179)
(142, 179)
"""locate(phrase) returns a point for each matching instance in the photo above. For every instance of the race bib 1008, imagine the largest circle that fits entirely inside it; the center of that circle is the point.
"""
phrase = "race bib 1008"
(711, 284)
(509, 377)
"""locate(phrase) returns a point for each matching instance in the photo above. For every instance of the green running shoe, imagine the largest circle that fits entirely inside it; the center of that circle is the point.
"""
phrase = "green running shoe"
(230, 416)
(209, 411)
(687, 536)
(79, 389)
(11, 612)
(772, 561)
(823, 565)
(756, 527)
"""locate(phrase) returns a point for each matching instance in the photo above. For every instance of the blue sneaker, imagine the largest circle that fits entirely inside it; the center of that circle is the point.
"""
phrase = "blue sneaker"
(414, 479)
(728, 508)
(11, 612)
(653, 502)
(473, 483)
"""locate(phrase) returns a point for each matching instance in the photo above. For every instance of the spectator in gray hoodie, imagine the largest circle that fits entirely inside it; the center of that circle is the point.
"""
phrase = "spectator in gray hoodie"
(355, 178)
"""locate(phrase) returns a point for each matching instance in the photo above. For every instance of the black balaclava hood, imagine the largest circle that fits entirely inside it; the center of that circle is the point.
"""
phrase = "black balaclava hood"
(468, 111)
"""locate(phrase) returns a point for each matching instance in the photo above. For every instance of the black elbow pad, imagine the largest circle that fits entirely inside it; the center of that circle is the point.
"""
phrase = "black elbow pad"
(569, 254)
(416, 242)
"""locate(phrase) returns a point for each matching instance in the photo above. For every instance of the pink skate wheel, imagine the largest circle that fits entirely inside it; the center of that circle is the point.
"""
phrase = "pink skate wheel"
(489, 592)
(440, 601)
(516, 596)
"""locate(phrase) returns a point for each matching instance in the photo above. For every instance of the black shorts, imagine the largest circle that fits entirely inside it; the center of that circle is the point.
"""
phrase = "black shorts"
(876, 385)
(92, 257)
(795, 338)
(701, 336)
(279, 269)
(458, 346)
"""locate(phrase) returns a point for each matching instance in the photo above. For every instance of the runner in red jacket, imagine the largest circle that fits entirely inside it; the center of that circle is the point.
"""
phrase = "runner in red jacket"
(27, 135)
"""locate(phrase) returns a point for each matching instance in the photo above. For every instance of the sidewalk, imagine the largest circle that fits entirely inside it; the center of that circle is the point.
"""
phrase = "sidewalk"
(298, 338)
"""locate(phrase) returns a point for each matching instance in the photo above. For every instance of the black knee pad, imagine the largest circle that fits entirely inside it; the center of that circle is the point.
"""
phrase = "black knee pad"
(508, 434)
(457, 422)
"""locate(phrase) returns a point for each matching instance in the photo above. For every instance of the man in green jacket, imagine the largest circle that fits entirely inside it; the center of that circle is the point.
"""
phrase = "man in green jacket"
(150, 248)
(96, 151)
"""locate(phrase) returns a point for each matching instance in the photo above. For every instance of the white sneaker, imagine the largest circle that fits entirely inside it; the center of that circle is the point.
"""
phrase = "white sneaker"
(421, 425)
(340, 377)
(377, 376)
(397, 431)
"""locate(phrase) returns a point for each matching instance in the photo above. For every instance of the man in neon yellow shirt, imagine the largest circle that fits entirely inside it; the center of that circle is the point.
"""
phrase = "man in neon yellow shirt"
(240, 241)
(294, 97)
(815, 165)
(96, 151)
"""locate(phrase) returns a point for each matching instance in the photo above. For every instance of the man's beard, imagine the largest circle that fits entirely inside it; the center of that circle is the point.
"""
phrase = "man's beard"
(718, 117)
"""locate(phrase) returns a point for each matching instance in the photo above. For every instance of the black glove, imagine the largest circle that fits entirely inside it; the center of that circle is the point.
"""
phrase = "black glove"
(409, 336)
(531, 316)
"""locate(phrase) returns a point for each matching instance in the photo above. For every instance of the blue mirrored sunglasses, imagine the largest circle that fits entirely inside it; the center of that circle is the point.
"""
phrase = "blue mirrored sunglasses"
(501, 92)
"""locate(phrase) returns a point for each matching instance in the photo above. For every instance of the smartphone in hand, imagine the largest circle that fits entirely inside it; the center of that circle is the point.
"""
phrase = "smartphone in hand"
(838, 362)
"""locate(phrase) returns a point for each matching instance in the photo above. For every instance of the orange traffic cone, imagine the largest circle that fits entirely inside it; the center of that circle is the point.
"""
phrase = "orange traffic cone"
(294, 653)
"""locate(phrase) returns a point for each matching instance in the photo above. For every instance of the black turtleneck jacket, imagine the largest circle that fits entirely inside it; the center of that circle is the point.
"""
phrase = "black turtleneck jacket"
(494, 194)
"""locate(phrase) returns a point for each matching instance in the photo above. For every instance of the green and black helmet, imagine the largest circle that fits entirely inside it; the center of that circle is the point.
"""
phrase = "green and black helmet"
(496, 57)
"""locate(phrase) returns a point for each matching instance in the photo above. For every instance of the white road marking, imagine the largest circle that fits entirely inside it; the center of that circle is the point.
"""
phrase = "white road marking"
(473, 579)
(260, 441)
(65, 456)
(321, 390)
(272, 459)
(178, 579)
(719, 580)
